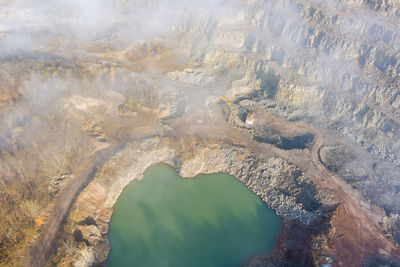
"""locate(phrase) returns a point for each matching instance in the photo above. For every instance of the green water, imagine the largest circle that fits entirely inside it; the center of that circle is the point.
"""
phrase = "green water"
(212, 220)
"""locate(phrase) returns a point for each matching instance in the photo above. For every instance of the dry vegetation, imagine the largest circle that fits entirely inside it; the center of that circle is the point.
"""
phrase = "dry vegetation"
(45, 140)
(40, 143)
(32, 155)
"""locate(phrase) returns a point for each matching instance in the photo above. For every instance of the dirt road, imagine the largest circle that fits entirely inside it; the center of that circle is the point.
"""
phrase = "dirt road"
(355, 220)
(45, 245)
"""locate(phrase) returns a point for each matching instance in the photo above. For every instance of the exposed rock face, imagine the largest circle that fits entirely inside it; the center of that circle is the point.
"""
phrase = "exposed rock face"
(328, 60)
(276, 181)
(333, 64)
(281, 186)
(349, 82)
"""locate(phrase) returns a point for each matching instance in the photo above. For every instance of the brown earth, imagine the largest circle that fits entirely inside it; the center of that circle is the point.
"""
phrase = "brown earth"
(357, 234)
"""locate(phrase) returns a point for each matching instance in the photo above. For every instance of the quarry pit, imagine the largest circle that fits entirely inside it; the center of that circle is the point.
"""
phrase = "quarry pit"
(296, 99)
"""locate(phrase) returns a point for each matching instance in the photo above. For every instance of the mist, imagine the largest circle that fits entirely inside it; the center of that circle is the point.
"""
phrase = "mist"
(39, 26)
(81, 77)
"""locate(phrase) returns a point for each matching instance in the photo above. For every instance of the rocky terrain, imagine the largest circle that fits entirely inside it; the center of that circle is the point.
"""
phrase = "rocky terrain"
(297, 99)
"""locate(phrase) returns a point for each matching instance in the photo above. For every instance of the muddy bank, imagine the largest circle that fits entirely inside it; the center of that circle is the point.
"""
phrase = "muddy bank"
(282, 186)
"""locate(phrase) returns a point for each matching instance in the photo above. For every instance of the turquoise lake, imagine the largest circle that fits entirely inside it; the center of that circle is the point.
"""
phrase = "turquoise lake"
(211, 220)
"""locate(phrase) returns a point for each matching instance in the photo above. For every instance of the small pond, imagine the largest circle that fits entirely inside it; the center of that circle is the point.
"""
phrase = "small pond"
(211, 220)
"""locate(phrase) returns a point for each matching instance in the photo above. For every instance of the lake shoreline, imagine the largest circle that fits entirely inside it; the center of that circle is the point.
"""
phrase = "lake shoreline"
(210, 220)
(96, 201)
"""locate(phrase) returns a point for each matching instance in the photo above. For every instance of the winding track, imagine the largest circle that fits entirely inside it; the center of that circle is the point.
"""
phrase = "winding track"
(45, 245)
(362, 217)
(356, 221)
